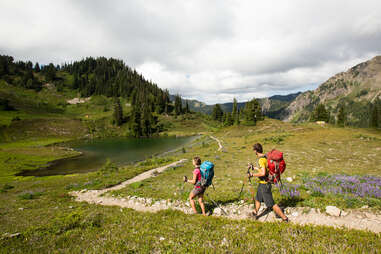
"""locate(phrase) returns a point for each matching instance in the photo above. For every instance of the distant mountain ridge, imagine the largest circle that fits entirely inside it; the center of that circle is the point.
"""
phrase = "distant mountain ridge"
(355, 90)
(273, 106)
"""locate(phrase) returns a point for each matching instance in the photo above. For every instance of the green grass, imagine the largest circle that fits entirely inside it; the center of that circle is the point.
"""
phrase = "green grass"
(37, 142)
(54, 222)
(49, 220)
(188, 124)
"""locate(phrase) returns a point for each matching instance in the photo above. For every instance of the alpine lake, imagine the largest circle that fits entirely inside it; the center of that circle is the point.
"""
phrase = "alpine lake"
(120, 151)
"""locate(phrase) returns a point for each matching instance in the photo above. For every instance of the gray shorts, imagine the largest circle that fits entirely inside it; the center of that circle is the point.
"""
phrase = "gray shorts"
(264, 194)
(198, 191)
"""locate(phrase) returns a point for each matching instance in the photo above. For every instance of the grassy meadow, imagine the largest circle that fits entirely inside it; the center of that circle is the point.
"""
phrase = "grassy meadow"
(48, 220)
(310, 151)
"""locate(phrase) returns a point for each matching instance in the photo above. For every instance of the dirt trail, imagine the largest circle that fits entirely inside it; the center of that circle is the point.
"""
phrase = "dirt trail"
(97, 197)
(361, 219)
(220, 146)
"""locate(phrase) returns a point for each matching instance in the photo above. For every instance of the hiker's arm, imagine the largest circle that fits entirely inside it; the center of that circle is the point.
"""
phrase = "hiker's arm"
(193, 181)
(261, 172)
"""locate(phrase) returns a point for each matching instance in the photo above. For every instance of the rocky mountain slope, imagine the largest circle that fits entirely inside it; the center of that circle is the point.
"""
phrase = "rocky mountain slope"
(355, 89)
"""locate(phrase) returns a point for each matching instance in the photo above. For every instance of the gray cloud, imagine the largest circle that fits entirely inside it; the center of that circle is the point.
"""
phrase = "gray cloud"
(207, 50)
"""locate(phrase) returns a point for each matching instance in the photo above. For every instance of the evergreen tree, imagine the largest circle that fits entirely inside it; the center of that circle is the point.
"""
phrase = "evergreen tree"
(146, 122)
(187, 108)
(237, 120)
(217, 113)
(375, 114)
(50, 72)
(341, 117)
(228, 119)
(253, 112)
(178, 106)
(118, 113)
(320, 114)
(235, 112)
(37, 67)
(136, 128)
(223, 118)
(76, 82)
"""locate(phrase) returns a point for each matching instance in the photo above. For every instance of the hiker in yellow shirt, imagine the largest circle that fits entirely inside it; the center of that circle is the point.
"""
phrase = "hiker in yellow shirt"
(264, 193)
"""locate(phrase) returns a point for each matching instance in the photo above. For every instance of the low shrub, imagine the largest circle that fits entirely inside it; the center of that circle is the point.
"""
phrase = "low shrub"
(28, 195)
(6, 187)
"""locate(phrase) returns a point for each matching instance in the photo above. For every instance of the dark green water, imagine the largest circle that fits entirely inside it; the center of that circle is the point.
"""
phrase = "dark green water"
(120, 151)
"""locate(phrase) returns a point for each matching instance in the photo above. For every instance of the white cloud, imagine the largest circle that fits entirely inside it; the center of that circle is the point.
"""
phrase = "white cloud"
(207, 50)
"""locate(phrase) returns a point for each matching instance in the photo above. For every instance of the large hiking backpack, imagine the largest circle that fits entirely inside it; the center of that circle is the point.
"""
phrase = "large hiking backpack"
(207, 173)
(276, 165)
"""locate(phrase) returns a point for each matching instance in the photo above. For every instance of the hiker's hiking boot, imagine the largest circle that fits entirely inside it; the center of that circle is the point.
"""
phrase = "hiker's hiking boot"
(286, 220)
(253, 215)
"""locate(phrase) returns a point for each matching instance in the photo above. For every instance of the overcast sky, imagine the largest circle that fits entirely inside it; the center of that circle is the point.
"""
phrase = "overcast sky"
(207, 50)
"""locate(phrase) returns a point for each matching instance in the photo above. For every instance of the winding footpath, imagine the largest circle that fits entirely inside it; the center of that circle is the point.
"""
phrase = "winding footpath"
(362, 219)
(98, 197)
(220, 146)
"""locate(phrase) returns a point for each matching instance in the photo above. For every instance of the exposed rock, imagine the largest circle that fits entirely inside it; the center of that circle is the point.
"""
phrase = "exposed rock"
(217, 211)
(78, 100)
(8, 235)
(333, 211)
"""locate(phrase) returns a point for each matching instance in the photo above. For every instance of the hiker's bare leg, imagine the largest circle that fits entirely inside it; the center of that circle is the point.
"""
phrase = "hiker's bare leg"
(191, 201)
(201, 202)
(278, 211)
(257, 206)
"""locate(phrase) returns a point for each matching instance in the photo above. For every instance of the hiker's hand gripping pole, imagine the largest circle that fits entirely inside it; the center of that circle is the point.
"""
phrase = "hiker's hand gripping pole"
(249, 176)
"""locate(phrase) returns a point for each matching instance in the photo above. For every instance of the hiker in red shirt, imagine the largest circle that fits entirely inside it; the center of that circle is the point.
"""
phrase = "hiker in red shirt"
(198, 191)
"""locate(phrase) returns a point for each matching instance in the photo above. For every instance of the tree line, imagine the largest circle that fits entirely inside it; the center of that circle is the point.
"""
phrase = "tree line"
(25, 74)
(371, 118)
(249, 115)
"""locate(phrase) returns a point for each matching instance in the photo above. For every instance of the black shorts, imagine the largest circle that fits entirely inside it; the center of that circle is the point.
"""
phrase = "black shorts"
(264, 194)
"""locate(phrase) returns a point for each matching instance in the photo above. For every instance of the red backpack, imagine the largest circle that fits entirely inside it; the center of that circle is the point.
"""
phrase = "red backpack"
(276, 165)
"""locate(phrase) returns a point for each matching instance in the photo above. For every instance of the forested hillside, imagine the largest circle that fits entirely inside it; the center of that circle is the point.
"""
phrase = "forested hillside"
(110, 78)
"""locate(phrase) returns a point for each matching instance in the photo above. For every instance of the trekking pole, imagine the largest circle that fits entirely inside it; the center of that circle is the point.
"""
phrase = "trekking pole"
(216, 204)
(243, 184)
(281, 184)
